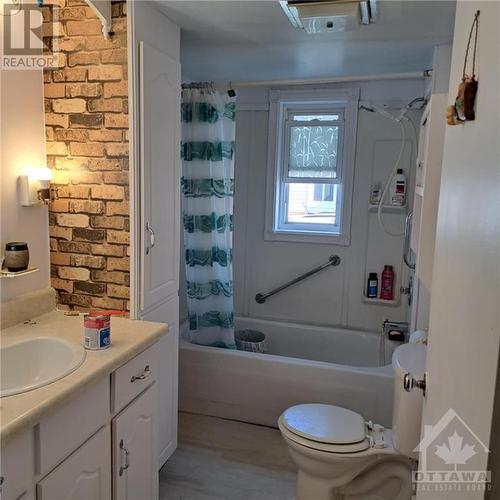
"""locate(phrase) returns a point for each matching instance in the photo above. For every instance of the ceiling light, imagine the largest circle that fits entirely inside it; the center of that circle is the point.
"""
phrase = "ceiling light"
(324, 16)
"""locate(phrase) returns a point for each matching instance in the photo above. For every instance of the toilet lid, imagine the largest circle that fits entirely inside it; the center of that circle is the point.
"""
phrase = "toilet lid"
(325, 423)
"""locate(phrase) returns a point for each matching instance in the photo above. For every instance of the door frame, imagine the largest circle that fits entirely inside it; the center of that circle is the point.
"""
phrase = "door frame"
(134, 163)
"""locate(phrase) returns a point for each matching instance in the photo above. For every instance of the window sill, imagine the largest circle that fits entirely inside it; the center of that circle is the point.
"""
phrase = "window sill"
(307, 237)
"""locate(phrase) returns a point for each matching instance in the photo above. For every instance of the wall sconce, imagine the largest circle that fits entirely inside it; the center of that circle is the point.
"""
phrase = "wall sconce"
(34, 188)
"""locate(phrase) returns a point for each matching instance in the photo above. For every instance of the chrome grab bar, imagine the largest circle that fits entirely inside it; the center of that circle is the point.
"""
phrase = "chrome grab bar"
(407, 236)
(333, 260)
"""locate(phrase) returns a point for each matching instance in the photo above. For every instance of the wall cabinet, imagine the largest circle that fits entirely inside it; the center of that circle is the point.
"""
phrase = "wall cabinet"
(155, 133)
(100, 444)
(159, 118)
(135, 456)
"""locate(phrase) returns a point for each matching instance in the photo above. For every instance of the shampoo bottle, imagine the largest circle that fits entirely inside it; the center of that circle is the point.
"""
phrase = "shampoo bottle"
(387, 288)
(398, 189)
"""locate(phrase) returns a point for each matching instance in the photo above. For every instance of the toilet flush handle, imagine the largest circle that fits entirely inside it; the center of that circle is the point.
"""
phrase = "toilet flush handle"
(410, 382)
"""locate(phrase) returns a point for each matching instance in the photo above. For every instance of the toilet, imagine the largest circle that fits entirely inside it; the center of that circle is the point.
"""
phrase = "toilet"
(341, 456)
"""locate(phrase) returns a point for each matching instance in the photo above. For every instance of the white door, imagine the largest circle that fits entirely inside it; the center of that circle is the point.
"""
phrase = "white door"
(83, 475)
(159, 111)
(135, 455)
(168, 377)
(464, 323)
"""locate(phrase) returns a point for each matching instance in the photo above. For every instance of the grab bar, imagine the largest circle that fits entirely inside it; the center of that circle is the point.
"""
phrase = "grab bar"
(407, 236)
(333, 260)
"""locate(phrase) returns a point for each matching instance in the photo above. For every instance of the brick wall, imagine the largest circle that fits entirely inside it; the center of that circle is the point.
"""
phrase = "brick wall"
(86, 113)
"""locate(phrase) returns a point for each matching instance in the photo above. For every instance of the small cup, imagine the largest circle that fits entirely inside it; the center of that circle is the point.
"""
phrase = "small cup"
(17, 256)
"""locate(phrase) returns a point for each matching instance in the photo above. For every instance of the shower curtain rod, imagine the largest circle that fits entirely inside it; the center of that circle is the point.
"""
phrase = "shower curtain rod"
(335, 79)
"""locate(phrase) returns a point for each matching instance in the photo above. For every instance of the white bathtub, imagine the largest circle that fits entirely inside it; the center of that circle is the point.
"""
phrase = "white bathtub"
(304, 364)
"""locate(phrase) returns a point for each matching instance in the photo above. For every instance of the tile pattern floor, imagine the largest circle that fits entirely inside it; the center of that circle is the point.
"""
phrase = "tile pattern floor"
(226, 460)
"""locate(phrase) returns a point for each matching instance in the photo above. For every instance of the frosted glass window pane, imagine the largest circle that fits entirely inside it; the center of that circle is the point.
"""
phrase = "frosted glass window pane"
(313, 151)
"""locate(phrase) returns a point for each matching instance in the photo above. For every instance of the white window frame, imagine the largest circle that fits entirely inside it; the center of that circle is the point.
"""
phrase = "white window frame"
(341, 101)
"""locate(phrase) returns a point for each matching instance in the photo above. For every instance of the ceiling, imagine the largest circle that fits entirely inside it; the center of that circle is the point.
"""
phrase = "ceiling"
(253, 40)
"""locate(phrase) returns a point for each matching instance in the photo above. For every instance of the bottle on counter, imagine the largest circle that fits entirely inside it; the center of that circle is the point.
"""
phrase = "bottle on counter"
(372, 286)
(387, 283)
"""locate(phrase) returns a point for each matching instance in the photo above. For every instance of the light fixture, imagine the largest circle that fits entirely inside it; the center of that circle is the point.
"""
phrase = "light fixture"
(34, 187)
(326, 16)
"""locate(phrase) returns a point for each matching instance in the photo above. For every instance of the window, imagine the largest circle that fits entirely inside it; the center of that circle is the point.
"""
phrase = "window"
(311, 165)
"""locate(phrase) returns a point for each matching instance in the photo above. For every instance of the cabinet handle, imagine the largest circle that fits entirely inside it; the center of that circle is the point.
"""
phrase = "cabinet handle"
(152, 235)
(125, 458)
(145, 374)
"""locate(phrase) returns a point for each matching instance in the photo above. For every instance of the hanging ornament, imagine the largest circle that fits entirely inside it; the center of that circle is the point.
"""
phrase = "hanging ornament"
(463, 108)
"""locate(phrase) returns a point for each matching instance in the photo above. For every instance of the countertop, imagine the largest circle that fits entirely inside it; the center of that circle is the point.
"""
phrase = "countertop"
(128, 338)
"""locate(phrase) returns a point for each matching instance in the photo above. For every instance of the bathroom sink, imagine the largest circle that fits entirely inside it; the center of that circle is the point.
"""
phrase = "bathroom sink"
(33, 362)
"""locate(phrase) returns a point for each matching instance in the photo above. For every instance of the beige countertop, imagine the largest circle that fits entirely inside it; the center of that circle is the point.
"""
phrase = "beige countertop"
(128, 338)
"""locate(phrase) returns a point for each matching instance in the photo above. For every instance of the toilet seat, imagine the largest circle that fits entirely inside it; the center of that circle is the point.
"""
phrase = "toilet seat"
(326, 428)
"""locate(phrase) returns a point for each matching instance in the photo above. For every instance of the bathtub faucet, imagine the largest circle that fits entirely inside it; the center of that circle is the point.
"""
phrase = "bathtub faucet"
(395, 330)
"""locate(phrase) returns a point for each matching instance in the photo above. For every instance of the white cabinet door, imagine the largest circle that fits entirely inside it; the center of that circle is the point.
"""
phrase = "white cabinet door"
(17, 468)
(135, 455)
(168, 347)
(159, 111)
(83, 475)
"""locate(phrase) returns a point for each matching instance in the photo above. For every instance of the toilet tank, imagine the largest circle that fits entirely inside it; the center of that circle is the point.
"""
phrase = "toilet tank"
(407, 411)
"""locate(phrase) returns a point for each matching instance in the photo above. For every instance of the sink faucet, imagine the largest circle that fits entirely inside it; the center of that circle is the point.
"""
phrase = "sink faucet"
(395, 326)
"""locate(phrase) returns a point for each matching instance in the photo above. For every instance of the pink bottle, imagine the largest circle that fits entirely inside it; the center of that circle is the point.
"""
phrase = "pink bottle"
(387, 285)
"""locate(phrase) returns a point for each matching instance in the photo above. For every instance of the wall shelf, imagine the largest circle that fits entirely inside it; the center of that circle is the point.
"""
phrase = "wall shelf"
(4, 273)
(381, 302)
(102, 8)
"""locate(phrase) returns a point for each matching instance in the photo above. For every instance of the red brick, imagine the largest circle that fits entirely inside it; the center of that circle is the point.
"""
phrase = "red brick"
(114, 208)
(116, 89)
(107, 192)
(118, 264)
(106, 72)
(108, 250)
(73, 220)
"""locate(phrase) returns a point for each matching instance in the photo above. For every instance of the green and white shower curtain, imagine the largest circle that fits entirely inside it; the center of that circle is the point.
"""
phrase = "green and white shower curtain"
(207, 151)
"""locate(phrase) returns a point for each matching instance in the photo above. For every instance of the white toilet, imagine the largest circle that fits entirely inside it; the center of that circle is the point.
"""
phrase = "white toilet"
(340, 456)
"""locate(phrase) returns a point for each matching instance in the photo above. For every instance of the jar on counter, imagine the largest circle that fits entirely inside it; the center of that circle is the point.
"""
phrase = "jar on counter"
(17, 256)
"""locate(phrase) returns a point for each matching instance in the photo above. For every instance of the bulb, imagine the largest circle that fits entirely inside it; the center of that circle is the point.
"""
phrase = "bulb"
(38, 173)
(44, 174)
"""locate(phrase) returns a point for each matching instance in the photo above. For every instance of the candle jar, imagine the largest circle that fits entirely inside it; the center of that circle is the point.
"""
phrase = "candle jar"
(17, 256)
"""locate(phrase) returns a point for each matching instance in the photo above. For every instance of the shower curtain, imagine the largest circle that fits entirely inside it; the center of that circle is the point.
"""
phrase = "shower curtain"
(207, 152)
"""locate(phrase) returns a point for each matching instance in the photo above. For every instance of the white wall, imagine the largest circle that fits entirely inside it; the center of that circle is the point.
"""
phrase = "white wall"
(22, 145)
(333, 297)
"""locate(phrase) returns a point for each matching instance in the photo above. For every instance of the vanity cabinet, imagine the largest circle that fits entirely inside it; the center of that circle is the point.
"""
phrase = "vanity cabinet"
(83, 475)
(135, 456)
(99, 444)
